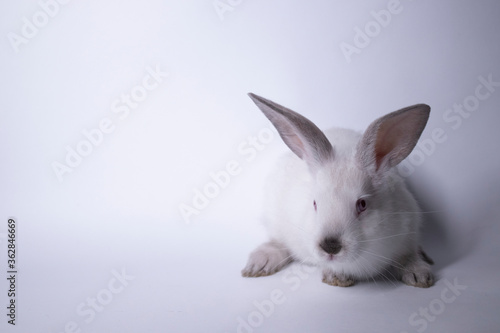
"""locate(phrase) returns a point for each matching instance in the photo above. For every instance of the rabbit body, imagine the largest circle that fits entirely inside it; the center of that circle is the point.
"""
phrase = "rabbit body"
(340, 206)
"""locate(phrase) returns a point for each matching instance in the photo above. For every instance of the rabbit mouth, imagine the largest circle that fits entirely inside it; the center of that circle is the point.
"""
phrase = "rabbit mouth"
(330, 258)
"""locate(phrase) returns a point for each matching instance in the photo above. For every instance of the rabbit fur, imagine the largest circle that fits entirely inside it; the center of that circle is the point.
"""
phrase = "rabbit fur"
(338, 201)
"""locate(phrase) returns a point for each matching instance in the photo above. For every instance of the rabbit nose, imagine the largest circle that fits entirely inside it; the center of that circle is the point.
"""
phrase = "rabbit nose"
(331, 245)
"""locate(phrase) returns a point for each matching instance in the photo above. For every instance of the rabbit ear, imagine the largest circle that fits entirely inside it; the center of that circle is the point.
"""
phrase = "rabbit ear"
(391, 138)
(304, 138)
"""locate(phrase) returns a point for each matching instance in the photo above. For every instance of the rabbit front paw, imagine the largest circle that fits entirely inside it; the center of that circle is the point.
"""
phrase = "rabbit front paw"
(337, 279)
(267, 259)
(417, 272)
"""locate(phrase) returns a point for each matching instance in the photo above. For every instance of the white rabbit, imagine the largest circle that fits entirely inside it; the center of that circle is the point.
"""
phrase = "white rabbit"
(339, 203)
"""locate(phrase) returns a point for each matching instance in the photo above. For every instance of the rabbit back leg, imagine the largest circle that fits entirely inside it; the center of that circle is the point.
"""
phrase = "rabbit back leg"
(267, 259)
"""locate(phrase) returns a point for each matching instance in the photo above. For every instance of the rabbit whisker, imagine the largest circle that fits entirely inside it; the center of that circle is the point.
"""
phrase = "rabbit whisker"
(377, 239)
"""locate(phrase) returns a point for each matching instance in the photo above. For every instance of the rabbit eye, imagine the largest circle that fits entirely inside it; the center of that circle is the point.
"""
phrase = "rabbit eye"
(315, 207)
(361, 205)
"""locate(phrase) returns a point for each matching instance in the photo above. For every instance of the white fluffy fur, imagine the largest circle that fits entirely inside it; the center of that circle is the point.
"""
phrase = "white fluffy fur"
(382, 240)
(371, 244)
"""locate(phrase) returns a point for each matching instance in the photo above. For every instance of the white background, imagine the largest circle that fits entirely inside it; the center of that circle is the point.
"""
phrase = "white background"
(118, 210)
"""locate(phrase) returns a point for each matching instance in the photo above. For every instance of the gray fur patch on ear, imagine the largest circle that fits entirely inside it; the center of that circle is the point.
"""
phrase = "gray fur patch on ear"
(300, 134)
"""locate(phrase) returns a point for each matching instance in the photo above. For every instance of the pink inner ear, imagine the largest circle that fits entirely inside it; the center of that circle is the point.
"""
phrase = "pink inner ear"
(394, 137)
(299, 149)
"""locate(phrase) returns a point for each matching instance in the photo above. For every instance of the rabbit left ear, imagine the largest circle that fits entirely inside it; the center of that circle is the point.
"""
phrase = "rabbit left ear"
(391, 138)
(300, 134)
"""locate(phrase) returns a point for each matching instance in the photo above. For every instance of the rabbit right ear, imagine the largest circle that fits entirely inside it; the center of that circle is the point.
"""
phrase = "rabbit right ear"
(300, 134)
